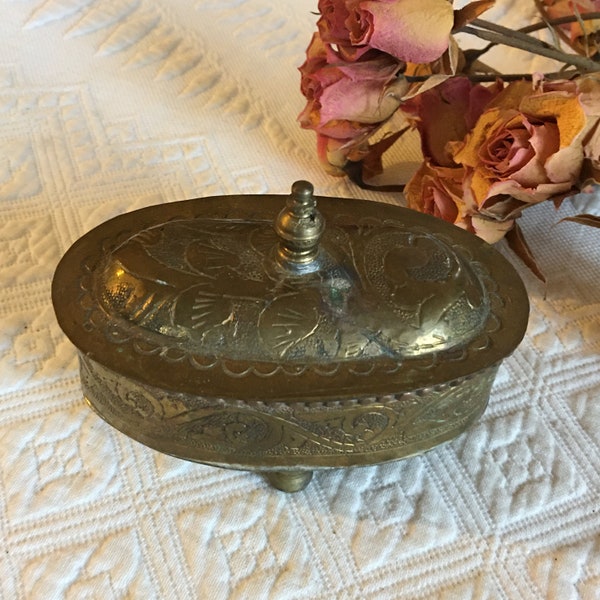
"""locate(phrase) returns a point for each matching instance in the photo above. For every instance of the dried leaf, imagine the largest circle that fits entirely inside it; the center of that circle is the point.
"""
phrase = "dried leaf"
(423, 86)
(469, 12)
(584, 219)
(371, 164)
(589, 175)
(504, 209)
(519, 246)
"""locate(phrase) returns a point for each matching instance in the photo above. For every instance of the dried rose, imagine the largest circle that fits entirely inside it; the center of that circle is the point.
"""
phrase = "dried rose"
(409, 30)
(528, 144)
(447, 113)
(334, 153)
(439, 191)
(346, 101)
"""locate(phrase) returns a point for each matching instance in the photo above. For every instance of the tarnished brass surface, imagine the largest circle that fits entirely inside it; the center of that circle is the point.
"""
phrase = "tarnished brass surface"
(231, 332)
(261, 435)
(289, 481)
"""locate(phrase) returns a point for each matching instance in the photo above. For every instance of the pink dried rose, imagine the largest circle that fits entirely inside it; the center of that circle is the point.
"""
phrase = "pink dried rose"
(528, 145)
(335, 153)
(409, 30)
(346, 101)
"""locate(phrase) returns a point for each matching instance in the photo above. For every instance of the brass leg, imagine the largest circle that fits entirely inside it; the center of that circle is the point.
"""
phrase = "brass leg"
(289, 481)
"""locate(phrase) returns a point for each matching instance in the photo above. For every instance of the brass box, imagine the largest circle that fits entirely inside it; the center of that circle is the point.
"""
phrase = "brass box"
(231, 332)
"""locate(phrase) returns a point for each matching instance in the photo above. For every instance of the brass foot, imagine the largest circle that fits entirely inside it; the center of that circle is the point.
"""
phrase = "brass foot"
(289, 481)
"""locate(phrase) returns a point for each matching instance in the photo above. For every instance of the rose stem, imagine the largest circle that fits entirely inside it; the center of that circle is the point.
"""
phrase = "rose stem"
(524, 42)
(485, 77)
(563, 21)
(559, 21)
(542, 25)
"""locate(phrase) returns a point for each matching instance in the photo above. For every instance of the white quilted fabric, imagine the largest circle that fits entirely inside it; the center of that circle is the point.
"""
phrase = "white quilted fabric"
(111, 105)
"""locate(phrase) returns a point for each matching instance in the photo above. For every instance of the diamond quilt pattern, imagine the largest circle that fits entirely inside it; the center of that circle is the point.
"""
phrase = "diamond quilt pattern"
(111, 106)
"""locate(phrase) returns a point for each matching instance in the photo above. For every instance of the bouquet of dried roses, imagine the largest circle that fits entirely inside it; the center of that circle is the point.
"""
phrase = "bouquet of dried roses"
(493, 144)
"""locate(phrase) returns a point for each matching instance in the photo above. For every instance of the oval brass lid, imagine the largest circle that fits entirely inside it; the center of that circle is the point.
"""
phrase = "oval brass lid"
(234, 297)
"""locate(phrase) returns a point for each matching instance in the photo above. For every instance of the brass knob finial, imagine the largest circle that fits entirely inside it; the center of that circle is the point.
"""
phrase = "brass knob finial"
(299, 227)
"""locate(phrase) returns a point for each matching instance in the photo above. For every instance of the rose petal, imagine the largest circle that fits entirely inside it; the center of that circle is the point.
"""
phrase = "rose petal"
(436, 191)
(489, 230)
(565, 165)
(411, 30)
(567, 111)
(589, 94)
(361, 94)
(330, 154)
(541, 192)
(446, 113)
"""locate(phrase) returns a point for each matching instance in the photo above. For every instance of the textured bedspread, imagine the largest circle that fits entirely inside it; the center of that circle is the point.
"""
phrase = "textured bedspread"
(111, 105)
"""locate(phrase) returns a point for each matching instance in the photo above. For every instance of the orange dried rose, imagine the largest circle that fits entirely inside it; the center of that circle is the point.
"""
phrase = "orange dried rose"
(440, 192)
(527, 144)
